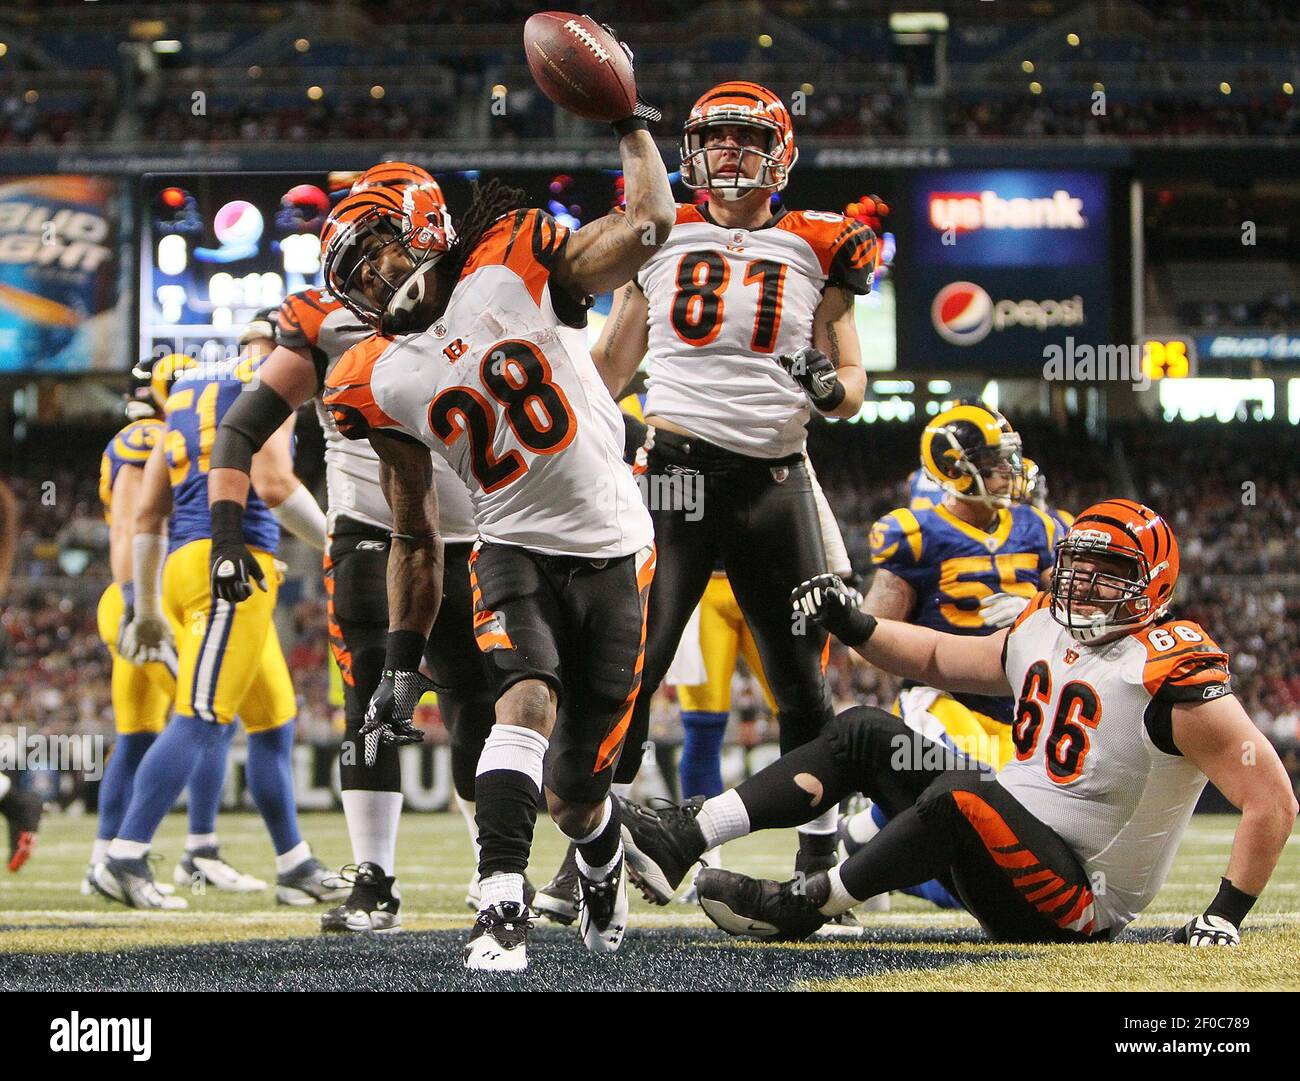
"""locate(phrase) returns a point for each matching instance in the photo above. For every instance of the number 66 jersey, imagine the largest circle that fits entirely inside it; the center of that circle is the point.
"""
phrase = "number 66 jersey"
(1094, 753)
(504, 387)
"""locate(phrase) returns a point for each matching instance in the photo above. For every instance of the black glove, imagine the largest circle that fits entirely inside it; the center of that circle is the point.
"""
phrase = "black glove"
(826, 601)
(1208, 930)
(815, 372)
(388, 716)
(231, 564)
(644, 114)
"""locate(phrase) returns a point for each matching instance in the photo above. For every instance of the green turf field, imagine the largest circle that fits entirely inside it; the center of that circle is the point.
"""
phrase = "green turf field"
(53, 937)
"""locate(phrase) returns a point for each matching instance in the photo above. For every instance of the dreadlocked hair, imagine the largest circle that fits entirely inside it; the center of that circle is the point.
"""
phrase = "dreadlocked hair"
(487, 203)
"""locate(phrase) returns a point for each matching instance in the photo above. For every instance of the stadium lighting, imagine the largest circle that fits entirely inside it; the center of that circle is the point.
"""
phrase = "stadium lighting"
(31, 97)
(302, 45)
(255, 72)
(315, 93)
(1027, 66)
(1072, 39)
(918, 22)
(3, 48)
(1225, 88)
(1035, 87)
(1099, 86)
(807, 88)
(166, 46)
(765, 41)
(376, 92)
(938, 386)
(1288, 88)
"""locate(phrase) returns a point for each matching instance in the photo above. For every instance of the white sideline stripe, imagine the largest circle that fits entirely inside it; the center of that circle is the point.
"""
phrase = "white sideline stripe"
(205, 685)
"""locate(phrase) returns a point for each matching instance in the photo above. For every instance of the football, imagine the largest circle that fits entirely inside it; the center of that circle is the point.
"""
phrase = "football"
(579, 65)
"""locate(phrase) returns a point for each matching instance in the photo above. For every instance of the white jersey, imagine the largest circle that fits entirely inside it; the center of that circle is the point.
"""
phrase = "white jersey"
(1095, 758)
(314, 321)
(724, 304)
(510, 397)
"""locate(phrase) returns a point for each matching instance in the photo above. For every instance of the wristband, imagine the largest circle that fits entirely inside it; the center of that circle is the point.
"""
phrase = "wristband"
(832, 399)
(227, 520)
(1231, 903)
(405, 650)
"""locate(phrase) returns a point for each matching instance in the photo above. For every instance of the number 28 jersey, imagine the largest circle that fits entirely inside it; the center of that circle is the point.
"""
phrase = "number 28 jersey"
(724, 304)
(508, 394)
(1094, 753)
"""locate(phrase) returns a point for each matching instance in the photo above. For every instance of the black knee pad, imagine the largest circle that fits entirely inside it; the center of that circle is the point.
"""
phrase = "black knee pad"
(865, 735)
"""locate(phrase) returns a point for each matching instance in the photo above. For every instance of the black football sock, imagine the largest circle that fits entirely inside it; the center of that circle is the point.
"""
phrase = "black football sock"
(600, 849)
(796, 788)
(906, 852)
(507, 787)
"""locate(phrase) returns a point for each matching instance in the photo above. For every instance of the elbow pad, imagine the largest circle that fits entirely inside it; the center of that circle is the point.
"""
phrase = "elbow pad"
(256, 415)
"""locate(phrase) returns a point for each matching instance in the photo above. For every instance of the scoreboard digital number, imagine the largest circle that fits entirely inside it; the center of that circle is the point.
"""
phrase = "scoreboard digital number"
(1168, 358)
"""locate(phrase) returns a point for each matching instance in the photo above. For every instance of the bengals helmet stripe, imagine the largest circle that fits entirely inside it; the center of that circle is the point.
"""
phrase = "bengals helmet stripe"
(1137, 586)
(397, 175)
(409, 218)
(742, 103)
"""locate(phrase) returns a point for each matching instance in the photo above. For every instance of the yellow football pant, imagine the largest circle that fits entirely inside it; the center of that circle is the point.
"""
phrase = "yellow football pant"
(230, 661)
(142, 693)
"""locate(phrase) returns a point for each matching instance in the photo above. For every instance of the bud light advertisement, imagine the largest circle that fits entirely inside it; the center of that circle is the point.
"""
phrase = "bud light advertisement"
(1003, 265)
(59, 309)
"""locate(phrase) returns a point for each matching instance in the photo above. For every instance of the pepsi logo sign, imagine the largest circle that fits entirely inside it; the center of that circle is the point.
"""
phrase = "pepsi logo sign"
(962, 313)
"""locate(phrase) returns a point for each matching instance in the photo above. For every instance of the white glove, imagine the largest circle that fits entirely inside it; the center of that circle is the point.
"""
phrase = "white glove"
(145, 639)
(1208, 930)
(1001, 609)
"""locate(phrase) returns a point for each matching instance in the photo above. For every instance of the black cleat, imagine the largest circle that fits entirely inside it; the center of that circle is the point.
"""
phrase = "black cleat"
(499, 940)
(371, 906)
(661, 845)
(23, 810)
(761, 908)
(558, 899)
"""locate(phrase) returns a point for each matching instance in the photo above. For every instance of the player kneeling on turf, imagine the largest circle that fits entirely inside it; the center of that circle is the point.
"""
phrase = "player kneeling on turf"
(1123, 711)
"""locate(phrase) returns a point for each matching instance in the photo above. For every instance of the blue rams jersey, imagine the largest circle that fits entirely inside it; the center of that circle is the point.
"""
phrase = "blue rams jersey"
(952, 566)
(131, 446)
(199, 399)
(922, 492)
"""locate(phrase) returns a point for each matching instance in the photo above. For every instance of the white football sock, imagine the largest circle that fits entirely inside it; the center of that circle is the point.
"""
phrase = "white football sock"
(599, 874)
(840, 900)
(862, 827)
(824, 823)
(372, 819)
(501, 887)
(200, 840)
(471, 823)
(119, 849)
(99, 850)
(287, 861)
(723, 818)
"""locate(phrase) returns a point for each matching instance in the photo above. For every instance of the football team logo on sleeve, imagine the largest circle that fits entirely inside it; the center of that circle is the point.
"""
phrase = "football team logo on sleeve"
(962, 313)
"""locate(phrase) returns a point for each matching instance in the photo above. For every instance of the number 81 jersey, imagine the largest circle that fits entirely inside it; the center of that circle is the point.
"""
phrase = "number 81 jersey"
(507, 392)
(725, 303)
(1094, 753)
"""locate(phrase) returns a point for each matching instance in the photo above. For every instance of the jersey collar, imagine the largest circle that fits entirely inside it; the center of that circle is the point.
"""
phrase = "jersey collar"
(991, 541)
(704, 213)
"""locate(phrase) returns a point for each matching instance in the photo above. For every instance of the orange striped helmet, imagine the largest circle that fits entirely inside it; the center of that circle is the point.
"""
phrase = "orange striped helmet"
(355, 238)
(1115, 570)
(398, 175)
(748, 105)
